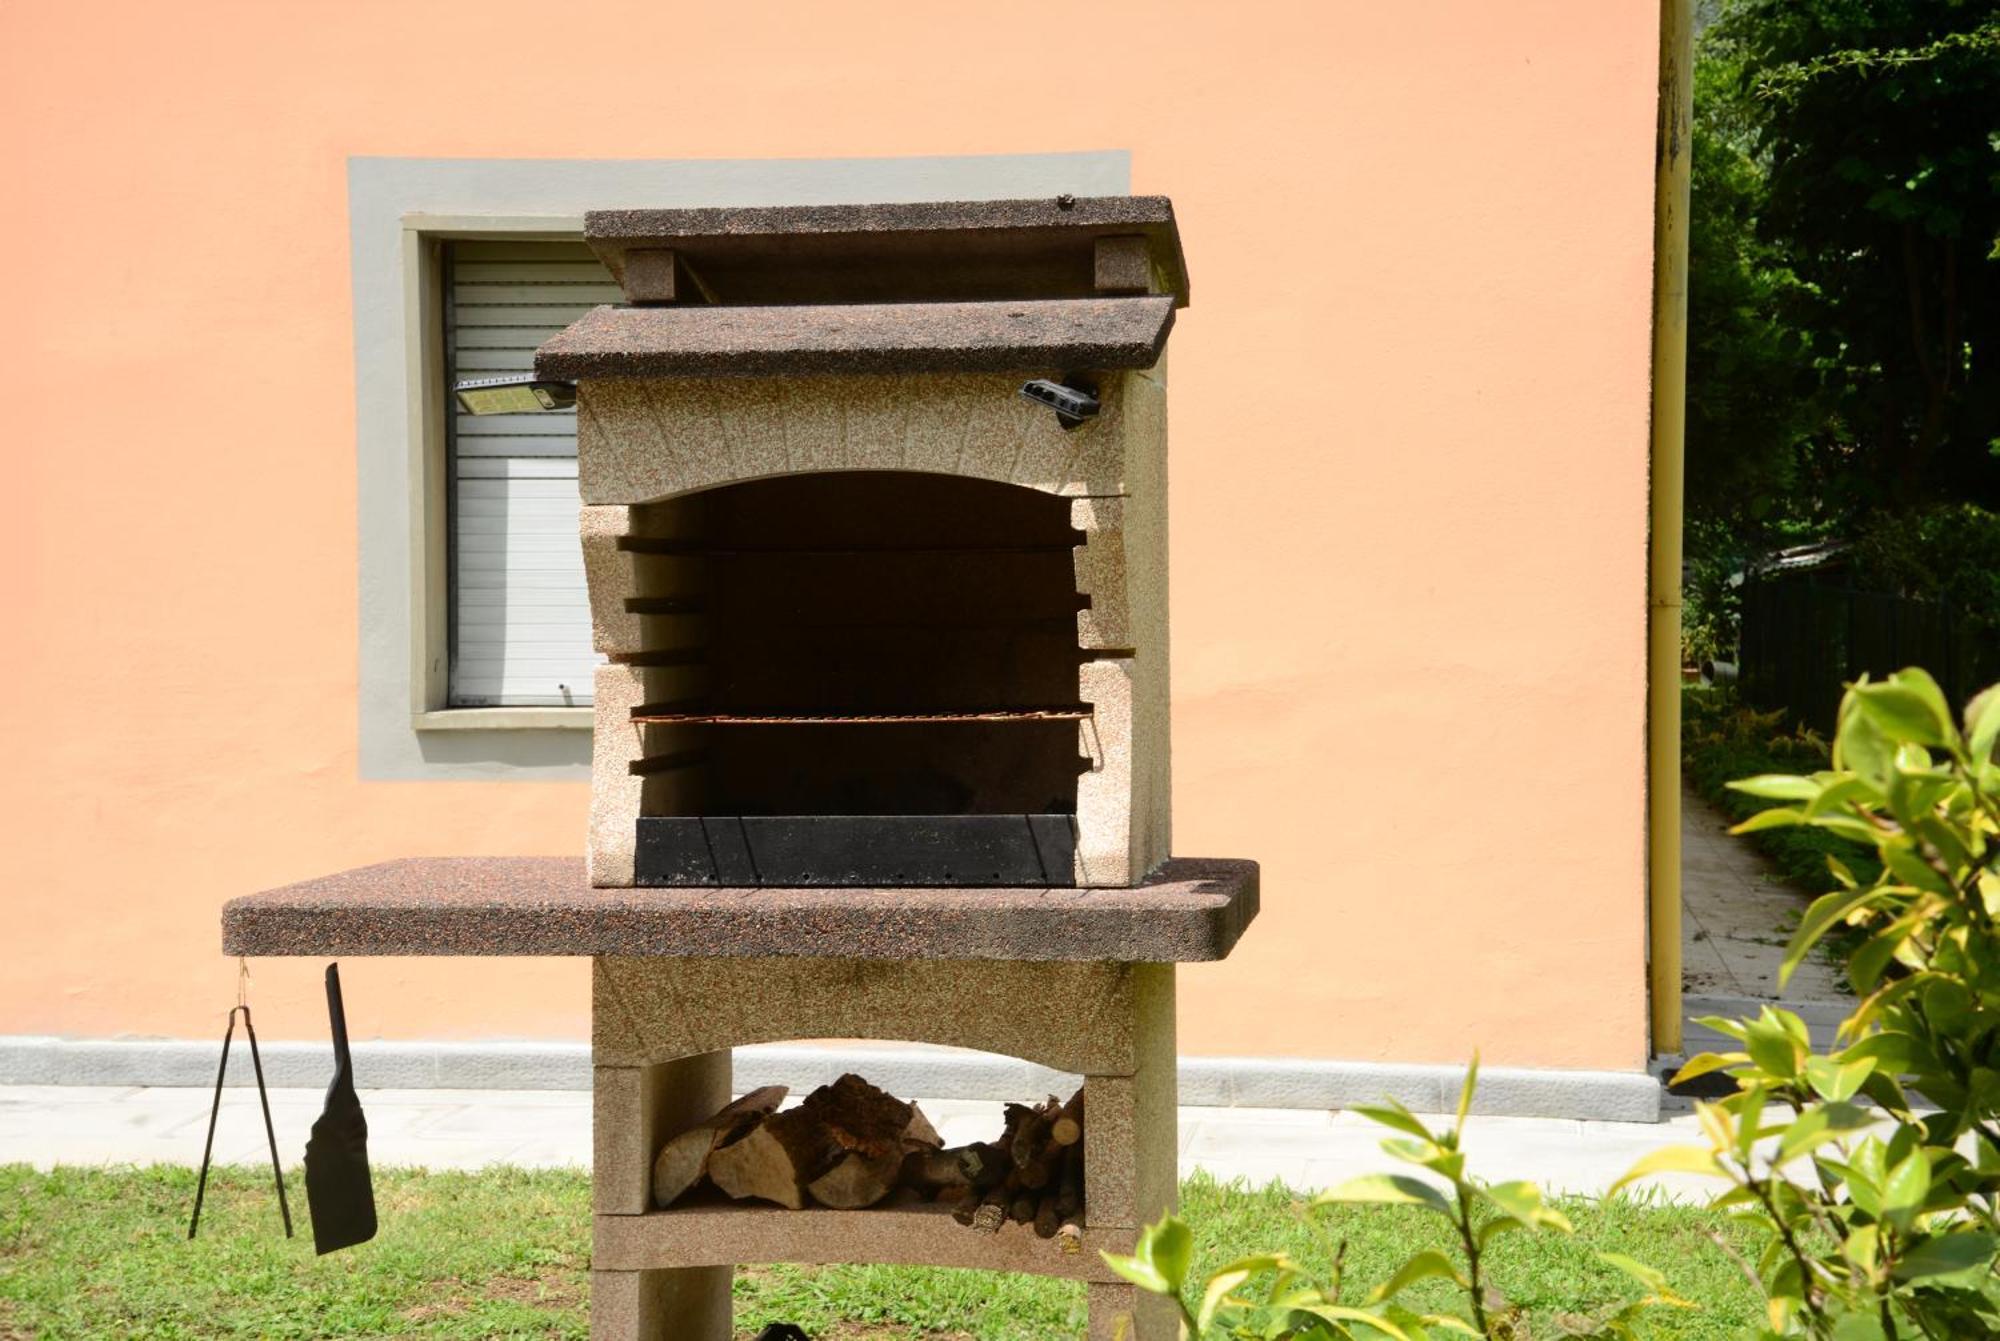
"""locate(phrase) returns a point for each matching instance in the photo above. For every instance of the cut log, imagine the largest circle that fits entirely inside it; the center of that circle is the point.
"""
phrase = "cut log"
(1069, 1185)
(856, 1180)
(860, 1177)
(684, 1158)
(985, 1162)
(1067, 1128)
(857, 1116)
(936, 1170)
(774, 1160)
(1046, 1219)
(919, 1133)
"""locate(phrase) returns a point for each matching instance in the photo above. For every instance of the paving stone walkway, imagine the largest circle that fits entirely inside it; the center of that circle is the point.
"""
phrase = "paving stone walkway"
(469, 1129)
(1737, 915)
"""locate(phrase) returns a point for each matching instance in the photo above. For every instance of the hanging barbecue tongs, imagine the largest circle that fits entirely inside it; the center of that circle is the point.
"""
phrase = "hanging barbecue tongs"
(338, 1191)
(215, 1110)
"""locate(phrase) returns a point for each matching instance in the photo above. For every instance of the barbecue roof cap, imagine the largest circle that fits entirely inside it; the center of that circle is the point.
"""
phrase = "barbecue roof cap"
(931, 251)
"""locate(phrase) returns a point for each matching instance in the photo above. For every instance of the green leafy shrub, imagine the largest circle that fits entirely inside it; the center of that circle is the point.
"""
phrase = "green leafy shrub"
(1879, 1221)
(1870, 1175)
(1272, 1296)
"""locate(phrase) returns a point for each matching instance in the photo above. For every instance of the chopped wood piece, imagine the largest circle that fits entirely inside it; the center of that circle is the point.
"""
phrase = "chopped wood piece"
(919, 1133)
(937, 1170)
(1028, 1130)
(1021, 1210)
(1046, 1219)
(684, 1158)
(1069, 1185)
(1067, 1128)
(985, 1162)
(860, 1178)
(856, 1180)
(774, 1160)
(858, 1116)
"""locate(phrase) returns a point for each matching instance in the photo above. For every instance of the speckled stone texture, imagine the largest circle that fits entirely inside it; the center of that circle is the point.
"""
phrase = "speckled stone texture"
(1121, 1312)
(1113, 1023)
(616, 792)
(1124, 802)
(741, 1232)
(1032, 244)
(1085, 1017)
(692, 1304)
(1192, 910)
(634, 1109)
(624, 342)
(644, 441)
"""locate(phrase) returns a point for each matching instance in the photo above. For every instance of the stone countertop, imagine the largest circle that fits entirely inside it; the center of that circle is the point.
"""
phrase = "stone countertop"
(784, 253)
(1193, 909)
(1065, 334)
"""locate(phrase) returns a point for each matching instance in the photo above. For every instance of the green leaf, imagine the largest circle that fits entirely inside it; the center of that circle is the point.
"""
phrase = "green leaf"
(1818, 1125)
(1859, 1327)
(1395, 1115)
(1858, 742)
(1672, 1159)
(1159, 1262)
(1982, 723)
(1907, 707)
(1943, 1254)
(1387, 1189)
(1702, 1063)
(1523, 1201)
(1836, 1080)
(1771, 1047)
(1338, 1313)
(1424, 1266)
(1141, 1273)
(1776, 787)
(1465, 1092)
(1901, 858)
(1777, 817)
(1230, 1277)
(1172, 1246)
(1827, 911)
(1907, 1185)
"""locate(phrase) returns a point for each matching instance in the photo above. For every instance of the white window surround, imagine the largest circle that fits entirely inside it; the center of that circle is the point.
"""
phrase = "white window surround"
(399, 210)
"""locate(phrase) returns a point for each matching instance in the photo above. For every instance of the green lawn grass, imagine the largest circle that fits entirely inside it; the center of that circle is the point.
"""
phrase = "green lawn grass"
(505, 1253)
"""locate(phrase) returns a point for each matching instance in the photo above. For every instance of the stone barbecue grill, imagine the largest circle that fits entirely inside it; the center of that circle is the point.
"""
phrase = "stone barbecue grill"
(881, 741)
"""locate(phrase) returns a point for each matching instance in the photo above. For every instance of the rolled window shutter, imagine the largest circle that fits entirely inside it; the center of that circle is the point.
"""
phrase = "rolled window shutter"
(520, 612)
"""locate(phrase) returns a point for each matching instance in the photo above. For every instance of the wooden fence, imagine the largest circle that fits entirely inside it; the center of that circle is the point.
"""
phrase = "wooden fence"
(1805, 635)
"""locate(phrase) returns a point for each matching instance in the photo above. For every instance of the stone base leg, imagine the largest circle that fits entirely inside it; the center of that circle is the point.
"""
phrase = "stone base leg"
(686, 1304)
(634, 1109)
(1121, 1312)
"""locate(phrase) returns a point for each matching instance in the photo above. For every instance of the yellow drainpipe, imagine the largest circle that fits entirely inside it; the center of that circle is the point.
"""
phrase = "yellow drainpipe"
(1663, 634)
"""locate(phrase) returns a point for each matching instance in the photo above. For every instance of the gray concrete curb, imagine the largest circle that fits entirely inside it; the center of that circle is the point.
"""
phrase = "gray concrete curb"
(1220, 1082)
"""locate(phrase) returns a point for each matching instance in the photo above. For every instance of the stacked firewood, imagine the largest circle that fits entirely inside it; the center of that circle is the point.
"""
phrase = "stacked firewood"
(849, 1145)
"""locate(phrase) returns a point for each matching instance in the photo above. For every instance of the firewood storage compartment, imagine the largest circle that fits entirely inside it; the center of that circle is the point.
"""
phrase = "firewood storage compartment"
(874, 526)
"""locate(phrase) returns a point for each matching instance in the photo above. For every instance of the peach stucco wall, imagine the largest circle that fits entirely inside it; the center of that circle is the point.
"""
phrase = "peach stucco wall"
(1409, 472)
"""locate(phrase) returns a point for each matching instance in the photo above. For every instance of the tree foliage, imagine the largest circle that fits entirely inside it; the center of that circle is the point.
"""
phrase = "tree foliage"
(1844, 257)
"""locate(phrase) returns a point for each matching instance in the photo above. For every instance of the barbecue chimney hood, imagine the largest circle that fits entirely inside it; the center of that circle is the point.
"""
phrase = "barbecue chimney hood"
(875, 535)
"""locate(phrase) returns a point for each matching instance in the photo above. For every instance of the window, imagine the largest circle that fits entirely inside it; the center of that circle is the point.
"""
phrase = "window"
(518, 610)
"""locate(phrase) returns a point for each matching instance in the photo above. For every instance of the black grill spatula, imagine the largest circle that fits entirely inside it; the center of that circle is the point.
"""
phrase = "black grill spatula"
(338, 1192)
